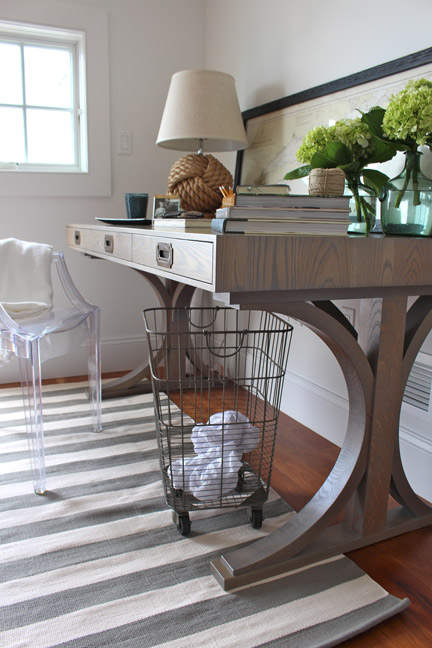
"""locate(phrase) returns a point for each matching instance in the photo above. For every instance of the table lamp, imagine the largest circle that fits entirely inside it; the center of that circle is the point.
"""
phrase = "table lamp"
(201, 111)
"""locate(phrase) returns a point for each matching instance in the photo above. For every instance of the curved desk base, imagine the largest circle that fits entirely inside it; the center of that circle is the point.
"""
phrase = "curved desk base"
(369, 466)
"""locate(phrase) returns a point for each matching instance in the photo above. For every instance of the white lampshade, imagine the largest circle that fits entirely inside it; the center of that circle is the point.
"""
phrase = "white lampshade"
(202, 107)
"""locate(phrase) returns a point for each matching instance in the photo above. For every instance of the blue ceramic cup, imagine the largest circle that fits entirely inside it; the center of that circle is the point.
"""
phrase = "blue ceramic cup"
(136, 205)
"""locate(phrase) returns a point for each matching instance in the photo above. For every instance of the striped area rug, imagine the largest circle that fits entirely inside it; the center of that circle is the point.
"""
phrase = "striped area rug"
(98, 562)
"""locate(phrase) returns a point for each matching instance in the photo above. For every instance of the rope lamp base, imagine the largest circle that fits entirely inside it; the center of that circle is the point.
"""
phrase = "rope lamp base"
(196, 179)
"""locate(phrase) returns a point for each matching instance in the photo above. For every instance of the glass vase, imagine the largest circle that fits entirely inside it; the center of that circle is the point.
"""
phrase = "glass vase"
(362, 205)
(406, 201)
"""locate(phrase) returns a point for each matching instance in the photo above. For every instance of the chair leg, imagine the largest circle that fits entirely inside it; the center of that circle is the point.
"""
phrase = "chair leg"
(94, 369)
(32, 398)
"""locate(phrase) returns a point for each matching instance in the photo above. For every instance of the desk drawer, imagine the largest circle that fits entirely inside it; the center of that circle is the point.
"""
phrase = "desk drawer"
(185, 258)
(118, 244)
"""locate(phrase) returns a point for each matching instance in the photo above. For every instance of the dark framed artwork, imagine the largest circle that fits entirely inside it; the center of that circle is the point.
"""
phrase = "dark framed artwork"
(275, 130)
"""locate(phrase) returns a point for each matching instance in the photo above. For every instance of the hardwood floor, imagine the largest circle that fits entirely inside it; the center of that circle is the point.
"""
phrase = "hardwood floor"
(402, 565)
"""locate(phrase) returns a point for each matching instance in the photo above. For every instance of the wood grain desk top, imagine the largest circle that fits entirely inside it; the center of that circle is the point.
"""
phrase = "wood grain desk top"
(301, 267)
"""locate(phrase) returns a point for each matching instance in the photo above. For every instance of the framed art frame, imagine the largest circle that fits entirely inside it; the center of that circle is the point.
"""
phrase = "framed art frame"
(275, 130)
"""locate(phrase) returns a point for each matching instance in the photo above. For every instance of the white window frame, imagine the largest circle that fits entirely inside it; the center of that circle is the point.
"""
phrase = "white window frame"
(94, 177)
(73, 41)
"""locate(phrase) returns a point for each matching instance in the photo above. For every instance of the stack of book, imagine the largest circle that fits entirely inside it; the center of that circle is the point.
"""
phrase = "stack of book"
(182, 223)
(289, 214)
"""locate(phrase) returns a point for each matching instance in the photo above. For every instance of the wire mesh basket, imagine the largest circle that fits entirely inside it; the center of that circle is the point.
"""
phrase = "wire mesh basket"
(217, 376)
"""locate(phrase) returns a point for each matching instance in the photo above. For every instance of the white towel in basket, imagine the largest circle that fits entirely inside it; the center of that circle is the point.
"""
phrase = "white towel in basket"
(219, 445)
(215, 476)
(229, 429)
(207, 476)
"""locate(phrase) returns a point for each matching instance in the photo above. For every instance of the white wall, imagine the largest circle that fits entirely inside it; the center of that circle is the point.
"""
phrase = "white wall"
(279, 47)
(149, 40)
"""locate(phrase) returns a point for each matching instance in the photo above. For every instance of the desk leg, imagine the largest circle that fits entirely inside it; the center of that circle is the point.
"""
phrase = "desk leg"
(384, 347)
(369, 463)
(170, 295)
(289, 547)
(394, 337)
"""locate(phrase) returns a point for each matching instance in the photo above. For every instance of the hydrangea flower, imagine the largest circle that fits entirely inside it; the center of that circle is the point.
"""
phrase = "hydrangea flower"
(352, 132)
(356, 136)
(315, 140)
(409, 114)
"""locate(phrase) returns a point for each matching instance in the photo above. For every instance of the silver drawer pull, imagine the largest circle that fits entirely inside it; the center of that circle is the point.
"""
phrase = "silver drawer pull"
(77, 237)
(164, 255)
(109, 243)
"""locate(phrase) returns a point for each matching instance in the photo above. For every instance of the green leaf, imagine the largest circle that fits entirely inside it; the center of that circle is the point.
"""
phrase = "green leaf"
(339, 153)
(374, 179)
(384, 150)
(334, 155)
(374, 119)
(300, 172)
(320, 160)
(352, 167)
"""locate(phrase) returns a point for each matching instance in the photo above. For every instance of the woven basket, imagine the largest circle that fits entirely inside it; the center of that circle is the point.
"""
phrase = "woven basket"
(326, 182)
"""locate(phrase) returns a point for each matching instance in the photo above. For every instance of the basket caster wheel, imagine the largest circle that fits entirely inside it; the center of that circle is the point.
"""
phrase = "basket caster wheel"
(256, 518)
(240, 482)
(183, 523)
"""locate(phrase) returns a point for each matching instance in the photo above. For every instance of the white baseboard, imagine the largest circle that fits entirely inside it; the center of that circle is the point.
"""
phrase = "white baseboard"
(326, 413)
(316, 407)
(118, 354)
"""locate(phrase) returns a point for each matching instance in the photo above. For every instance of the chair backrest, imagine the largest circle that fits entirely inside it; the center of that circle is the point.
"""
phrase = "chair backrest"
(23, 321)
(69, 288)
(25, 278)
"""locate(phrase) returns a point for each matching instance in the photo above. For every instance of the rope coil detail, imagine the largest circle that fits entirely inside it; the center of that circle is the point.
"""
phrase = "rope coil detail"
(196, 179)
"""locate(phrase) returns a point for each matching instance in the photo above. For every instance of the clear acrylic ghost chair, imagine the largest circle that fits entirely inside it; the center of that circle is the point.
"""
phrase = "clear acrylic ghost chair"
(48, 336)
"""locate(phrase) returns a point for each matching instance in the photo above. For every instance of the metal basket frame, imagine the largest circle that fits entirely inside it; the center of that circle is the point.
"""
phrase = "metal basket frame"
(213, 360)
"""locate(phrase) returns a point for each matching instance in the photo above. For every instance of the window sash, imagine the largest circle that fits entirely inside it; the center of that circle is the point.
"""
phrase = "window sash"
(74, 43)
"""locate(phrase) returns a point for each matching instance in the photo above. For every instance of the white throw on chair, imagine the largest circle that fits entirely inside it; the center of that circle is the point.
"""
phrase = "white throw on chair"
(32, 329)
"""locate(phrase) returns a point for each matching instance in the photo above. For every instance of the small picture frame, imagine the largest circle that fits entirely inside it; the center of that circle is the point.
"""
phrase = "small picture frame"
(163, 205)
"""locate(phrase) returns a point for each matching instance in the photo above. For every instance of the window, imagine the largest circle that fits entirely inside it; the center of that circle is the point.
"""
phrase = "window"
(42, 99)
(54, 99)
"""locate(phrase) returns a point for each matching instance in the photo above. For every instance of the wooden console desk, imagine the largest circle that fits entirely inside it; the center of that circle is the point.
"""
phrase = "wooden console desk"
(299, 276)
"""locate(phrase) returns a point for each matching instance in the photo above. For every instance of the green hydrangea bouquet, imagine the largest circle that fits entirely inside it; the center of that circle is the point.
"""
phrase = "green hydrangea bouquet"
(406, 123)
(349, 145)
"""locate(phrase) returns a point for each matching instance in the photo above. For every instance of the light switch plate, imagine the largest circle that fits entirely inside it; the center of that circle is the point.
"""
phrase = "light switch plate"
(124, 142)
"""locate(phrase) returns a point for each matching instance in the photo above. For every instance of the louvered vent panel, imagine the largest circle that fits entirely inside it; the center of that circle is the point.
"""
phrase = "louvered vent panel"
(418, 387)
